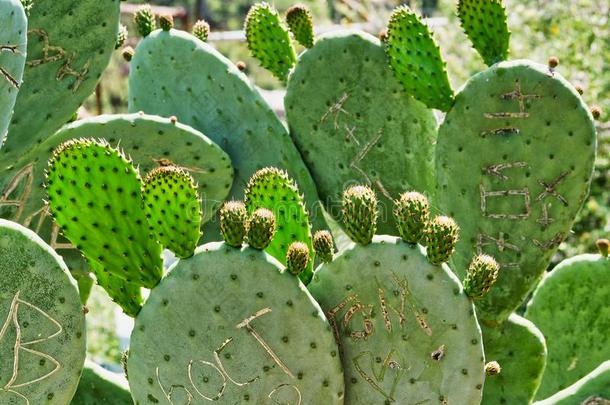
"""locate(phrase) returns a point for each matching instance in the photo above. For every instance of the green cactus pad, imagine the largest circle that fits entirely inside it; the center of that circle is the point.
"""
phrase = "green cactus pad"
(175, 74)
(42, 325)
(298, 18)
(416, 60)
(269, 41)
(94, 196)
(484, 21)
(519, 347)
(13, 47)
(126, 295)
(273, 189)
(514, 159)
(407, 332)
(173, 209)
(592, 389)
(353, 122)
(570, 307)
(99, 386)
(69, 45)
(238, 331)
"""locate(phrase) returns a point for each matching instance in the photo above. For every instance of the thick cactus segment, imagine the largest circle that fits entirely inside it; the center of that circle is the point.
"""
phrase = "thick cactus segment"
(99, 386)
(519, 347)
(13, 47)
(481, 276)
(69, 45)
(359, 211)
(252, 335)
(219, 101)
(416, 59)
(323, 246)
(173, 209)
(42, 325)
(269, 41)
(94, 196)
(592, 389)
(145, 20)
(513, 195)
(300, 23)
(407, 332)
(234, 223)
(273, 189)
(261, 228)
(352, 121)
(484, 21)
(573, 297)
(442, 235)
(412, 213)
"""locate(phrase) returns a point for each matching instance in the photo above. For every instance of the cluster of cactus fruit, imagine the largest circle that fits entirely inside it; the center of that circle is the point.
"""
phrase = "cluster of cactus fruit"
(273, 313)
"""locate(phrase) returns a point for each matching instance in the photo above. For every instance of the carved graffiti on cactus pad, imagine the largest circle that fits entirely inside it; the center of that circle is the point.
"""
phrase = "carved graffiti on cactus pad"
(5, 73)
(501, 243)
(26, 175)
(376, 378)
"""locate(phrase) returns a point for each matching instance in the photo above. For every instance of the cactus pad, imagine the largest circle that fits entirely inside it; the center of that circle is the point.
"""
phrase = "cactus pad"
(42, 325)
(298, 18)
(238, 331)
(406, 330)
(513, 188)
(592, 389)
(99, 386)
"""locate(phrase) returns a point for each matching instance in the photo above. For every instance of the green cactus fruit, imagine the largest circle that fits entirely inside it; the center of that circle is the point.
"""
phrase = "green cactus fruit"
(128, 52)
(269, 41)
(273, 189)
(145, 20)
(69, 46)
(592, 389)
(412, 212)
(239, 330)
(201, 30)
(42, 324)
(570, 306)
(173, 209)
(121, 37)
(352, 121)
(13, 46)
(359, 211)
(416, 59)
(442, 235)
(323, 246)
(99, 386)
(94, 196)
(234, 223)
(175, 74)
(492, 368)
(407, 333)
(166, 22)
(297, 258)
(261, 228)
(519, 347)
(484, 22)
(514, 197)
(300, 23)
(481, 276)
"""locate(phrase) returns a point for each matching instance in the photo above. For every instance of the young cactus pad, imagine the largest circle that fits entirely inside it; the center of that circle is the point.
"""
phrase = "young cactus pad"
(13, 46)
(592, 389)
(573, 297)
(351, 120)
(407, 332)
(69, 45)
(228, 325)
(99, 386)
(42, 325)
(298, 18)
(514, 160)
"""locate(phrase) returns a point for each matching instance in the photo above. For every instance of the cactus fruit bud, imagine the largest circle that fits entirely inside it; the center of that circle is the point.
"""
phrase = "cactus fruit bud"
(124, 358)
(493, 368)
(241, 65)
(596, 112)
(233, 223)
(360, 213)
(297, 258)
(261, 228)
(480, 277)
(166, 22)
(300, 24)
(201, 30)
(441, 237)
(128, 53)
(121, 36)
(383, 35)
(411, 211)
(145, 20)
(602, 246)
(553, 62)
(323, 246)
(580, 90)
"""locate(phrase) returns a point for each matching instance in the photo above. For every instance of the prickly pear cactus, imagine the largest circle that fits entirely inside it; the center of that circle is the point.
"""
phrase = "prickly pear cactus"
(42, 325)
(570, 306)
(519, 347)
(99, 386)
(300, 23)
(69, 45)
(13, 47)
(514, 196)
(353, 122)
(592, 389)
